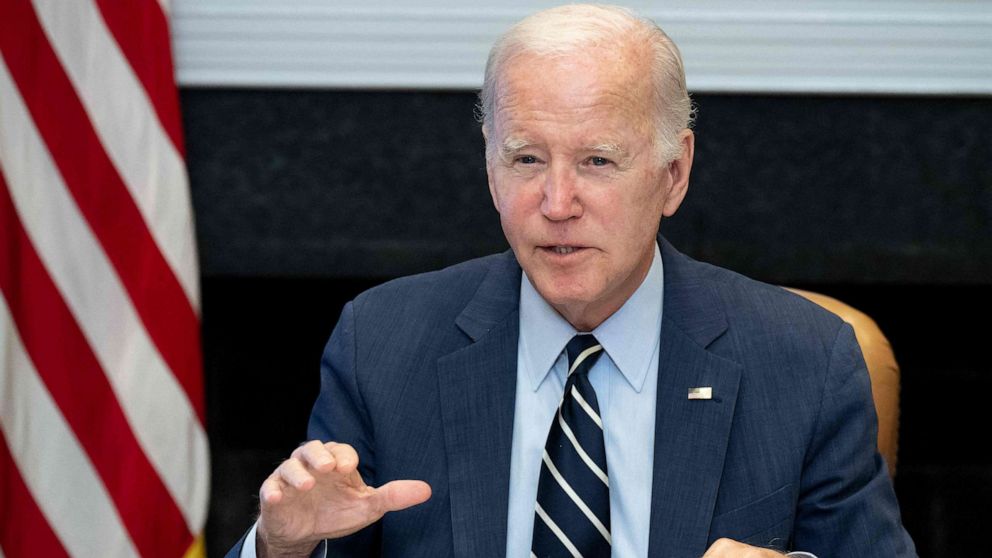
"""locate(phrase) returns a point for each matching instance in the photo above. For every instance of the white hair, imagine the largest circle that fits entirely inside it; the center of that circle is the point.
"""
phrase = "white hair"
(568, 29)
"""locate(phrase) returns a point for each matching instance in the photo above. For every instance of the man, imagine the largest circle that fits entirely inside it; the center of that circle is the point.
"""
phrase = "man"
(705, 415)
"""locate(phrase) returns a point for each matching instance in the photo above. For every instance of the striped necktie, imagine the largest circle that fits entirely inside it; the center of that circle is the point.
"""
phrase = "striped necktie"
(572, 515)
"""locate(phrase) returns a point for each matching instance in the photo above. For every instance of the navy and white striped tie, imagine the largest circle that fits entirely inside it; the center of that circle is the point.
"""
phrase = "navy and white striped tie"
(572, 516)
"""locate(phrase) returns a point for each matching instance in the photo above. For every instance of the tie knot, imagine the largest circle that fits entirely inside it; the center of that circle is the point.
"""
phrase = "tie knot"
(583, 350)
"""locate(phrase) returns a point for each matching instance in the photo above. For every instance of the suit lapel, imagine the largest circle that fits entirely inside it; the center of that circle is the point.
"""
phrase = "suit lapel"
(477, 385)
(690, 435)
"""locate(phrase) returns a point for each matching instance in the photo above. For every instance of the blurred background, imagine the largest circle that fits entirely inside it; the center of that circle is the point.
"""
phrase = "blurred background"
(842, 147)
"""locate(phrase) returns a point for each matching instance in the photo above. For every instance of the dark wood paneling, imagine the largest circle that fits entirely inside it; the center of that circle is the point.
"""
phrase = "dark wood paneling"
(791, 189)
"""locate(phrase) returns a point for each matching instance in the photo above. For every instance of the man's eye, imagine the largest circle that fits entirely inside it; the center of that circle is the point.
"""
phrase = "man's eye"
(527, 159)
(599, 161)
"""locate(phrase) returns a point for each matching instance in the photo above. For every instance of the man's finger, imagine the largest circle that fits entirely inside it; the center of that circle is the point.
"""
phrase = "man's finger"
(315, 456)
(294, 473)
(271, 491)
(401, 494)
(345, 456)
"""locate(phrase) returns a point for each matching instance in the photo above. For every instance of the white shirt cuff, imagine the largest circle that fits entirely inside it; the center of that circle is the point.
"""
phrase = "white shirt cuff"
(801, 555)
(248, 548)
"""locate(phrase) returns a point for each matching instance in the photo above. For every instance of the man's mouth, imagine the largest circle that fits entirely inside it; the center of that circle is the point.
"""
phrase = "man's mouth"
(563, 250)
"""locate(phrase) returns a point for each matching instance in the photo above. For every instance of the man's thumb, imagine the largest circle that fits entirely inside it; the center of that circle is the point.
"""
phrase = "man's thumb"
(401, 494)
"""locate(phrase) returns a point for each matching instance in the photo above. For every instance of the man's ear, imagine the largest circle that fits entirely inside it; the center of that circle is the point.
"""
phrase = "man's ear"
(489, 169)
(678, 171)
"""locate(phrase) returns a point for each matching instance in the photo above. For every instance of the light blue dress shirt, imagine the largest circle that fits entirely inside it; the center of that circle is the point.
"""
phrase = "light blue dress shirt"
(625, 380)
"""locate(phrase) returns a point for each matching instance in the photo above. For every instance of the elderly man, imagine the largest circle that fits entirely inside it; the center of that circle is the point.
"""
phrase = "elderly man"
(614, 397)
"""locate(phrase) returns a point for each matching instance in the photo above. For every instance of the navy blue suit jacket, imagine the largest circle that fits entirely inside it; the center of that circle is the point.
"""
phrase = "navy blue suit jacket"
(419, 376)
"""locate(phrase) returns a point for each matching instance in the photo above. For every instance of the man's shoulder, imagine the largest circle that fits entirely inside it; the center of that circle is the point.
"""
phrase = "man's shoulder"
(433, 295)
(789, 349)
(756, 309)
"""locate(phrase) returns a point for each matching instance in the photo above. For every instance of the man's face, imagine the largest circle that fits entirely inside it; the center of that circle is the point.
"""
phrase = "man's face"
(575, 176)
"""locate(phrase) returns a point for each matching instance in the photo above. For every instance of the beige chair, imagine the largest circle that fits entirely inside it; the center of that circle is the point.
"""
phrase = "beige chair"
(882, 368)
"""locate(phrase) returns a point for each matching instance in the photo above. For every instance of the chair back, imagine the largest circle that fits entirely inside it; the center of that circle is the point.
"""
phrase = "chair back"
(882, 367)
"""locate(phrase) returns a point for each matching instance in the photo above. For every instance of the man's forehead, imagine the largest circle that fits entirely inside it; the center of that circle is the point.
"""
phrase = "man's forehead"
(596, 125)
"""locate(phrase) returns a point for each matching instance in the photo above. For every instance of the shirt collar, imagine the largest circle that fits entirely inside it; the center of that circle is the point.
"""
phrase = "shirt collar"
(629, 336)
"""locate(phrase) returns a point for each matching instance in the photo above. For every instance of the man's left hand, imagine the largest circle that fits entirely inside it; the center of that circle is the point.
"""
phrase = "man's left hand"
(727, 548)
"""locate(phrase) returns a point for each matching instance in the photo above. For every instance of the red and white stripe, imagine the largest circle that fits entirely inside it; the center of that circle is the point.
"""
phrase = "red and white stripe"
(103, 451)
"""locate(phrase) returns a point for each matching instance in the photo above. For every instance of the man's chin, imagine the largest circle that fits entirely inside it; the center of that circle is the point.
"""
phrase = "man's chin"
(563, 293)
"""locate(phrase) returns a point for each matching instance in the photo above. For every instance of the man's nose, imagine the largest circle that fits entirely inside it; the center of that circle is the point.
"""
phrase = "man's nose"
(560, 194)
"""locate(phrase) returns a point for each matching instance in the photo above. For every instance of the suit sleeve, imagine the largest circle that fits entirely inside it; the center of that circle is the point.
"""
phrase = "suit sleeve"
(847, 506)
(246, 547)
(340, 415)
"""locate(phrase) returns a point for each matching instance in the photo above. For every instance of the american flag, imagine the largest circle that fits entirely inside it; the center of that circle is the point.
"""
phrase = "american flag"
(103, 450)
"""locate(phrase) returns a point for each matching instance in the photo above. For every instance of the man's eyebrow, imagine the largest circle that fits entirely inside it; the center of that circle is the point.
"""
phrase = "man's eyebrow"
(613, 151)
(609, 148)
(511, 146)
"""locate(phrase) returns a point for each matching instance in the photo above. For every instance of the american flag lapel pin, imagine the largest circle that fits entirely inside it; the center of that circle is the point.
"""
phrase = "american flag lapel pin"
(705, 392)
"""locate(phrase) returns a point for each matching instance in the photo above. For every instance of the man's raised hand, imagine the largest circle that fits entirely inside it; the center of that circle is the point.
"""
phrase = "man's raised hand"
(318, 494)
